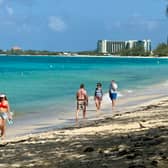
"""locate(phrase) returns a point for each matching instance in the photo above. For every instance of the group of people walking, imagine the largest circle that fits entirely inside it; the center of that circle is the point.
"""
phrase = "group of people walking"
(82, 97)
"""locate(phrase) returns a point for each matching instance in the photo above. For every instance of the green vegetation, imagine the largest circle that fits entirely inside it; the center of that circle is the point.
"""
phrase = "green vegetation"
(161, 50)
(94, 52)
(31, 52)
(136, 51)
(2, 52)
(45, 52)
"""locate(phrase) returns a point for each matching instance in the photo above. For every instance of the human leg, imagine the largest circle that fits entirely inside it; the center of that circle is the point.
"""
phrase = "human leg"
(113, 104)
(2, 128)
(84, 111)
(113, 97)
(100, 103)
(97, 104)
(77, 110)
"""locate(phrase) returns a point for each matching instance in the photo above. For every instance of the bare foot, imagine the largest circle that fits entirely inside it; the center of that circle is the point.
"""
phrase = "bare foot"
(2, 137)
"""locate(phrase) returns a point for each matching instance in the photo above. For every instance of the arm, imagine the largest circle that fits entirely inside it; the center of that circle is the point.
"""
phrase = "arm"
(77, 96)
(109, 89)
(86, 98)
(8, 110)
(95, 94)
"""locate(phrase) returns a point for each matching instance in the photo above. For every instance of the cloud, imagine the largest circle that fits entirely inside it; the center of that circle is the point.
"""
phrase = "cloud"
(1, 2)
(9, 10)
(136, 23)
(147, 24)
(117, 24)
(24, 28)
(56, 24)
(151, 24)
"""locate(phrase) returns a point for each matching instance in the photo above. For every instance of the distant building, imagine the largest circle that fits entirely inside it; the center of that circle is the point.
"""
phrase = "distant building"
(108, 46)
(146, 44)
(101, 46)
(115, 46)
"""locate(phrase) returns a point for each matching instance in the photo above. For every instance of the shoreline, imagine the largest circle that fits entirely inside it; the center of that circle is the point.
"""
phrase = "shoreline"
(91, 121)
(37, 122)
(88, 56)
(39, 126)
(135, 138)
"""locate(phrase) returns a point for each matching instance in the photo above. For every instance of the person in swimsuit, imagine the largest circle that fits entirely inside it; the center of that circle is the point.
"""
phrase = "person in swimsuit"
(82, 101)
(4, 114)
(113, 93)
(98, 95)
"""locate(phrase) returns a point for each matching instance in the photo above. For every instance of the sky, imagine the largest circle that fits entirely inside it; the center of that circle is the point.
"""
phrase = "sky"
(77, 25)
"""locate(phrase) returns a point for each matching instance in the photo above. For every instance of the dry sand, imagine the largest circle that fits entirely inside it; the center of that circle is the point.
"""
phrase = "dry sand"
(136, 139)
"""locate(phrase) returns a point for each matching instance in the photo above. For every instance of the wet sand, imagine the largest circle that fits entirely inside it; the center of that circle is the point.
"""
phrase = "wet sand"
(135, 139)
(39, 122)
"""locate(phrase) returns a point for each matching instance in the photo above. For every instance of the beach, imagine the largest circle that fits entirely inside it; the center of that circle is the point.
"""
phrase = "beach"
(136, 138)
(33, 123)
(45, 132)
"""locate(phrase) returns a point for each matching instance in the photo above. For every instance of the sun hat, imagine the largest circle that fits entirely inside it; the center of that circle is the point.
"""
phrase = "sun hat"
(2, 95)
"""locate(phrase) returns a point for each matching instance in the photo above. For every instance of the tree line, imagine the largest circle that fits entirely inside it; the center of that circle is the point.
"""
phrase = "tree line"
(160, 51)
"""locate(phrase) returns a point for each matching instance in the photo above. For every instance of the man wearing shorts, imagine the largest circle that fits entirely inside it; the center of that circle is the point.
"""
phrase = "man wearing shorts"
(82, 101)
(113, 93)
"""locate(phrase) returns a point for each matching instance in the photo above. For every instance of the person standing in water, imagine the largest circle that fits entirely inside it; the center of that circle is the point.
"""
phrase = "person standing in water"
(98, 95)
(4, 114)
(82, 101)
(113, 93)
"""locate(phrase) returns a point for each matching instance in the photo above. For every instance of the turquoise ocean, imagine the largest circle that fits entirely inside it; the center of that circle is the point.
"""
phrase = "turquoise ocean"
(46, 85)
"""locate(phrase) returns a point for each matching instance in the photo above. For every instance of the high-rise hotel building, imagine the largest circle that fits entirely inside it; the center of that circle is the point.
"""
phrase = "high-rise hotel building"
(108, 46)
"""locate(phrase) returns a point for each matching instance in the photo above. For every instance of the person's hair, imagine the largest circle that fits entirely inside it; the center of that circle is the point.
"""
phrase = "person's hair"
(99, 84)
(82, 85)
(2, 98)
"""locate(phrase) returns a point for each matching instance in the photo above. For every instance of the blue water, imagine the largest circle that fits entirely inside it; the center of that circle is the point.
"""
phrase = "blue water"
(45, 84)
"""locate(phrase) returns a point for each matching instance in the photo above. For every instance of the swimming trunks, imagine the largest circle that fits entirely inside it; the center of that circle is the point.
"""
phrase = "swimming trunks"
(113, 96)
(81, 104)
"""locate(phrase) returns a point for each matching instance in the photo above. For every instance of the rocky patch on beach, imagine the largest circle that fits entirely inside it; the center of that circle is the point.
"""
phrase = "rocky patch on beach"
(137, 139)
